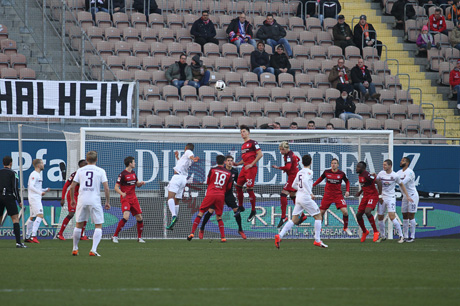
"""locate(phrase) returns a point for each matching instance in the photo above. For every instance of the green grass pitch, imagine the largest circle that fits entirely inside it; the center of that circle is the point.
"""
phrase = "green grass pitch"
(251, 272)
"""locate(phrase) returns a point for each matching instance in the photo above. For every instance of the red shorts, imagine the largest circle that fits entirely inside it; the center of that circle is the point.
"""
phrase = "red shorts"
(326, 202)
(288, 185)
(366, 202)
(132, 205)
(247, 176)
(214, 202)
(69, 206)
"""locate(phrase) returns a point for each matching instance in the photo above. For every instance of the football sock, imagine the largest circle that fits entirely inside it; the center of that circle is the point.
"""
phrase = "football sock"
(96, 239)
(76, 237)
(286, 227)
(317, 230)
(361, 224)
(283, 201)
(239, 195)
(176, 209)
(172, 207)
(205, 220)
(29, 225)
(83, 228)
(195, 224)
(64, 224)
(345, 221)
(120, 225)
(220, 222)
(238, 221)
(397, 226)
(372, 222)
(412, 228)
(37, 222)
(17, 232)
(140, 228)
(406, 228)
(252, 199)
(293, 199)
(382, 228)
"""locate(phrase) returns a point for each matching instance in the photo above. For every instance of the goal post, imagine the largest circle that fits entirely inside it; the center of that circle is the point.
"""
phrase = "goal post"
(154, 150)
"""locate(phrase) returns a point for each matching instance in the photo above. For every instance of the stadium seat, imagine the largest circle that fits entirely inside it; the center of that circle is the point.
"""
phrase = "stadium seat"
(290, 110)
(151, 93)
(27, 74)
(326, 111)
(181, 108)
(139, 21)
(297, 95)
(309, 110)
(18, 61)
(254, 109)
(286, 80)
(191, 122)
(188, 93)
(263, 120)
(261, 94)
(338, 123)
(149, 35)
(373, 124)
(154, 121)
(228, 122)
(279, 94)
(398, 112)
(8, 73)
(320, 123)
(394, 125)
(410, 127)
(209, 122)
(284, 122)
(272, 109)
(199, 109)
(355, 124)
(172, 121)
(217, 109)
(206, 93)
(380, 112)
(415, 112)
(249, 121)
(121, 20)
(236, 109)
(364, 110)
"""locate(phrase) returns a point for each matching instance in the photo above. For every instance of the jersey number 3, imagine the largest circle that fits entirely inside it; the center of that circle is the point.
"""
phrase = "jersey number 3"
(89, 181)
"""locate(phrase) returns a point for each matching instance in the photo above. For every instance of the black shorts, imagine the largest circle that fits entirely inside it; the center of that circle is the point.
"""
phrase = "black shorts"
(8, 202)
(230, 200)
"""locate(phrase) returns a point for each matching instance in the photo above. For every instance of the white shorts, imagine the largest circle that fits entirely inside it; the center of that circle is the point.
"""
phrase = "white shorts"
(84, 211)
(177, 185)
(407, 207)
(36, 208)
(309, 206)
(389, 204)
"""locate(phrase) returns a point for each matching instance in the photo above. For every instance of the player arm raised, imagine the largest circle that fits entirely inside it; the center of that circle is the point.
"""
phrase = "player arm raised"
(320, 179)
(72, 194)
(258, 157)
(404, 190)
(107, 195)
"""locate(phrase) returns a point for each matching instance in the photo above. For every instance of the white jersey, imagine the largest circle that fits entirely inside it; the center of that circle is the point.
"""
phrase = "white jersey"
(184, 163)
(34, 186)
(303, 183)
(90, 178)
(408, 179)
(389, 182)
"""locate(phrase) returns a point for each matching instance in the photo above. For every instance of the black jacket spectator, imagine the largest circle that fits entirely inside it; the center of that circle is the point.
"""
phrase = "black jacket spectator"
(138, 5)
(259, 59)
(358, 77)
(340, 32)
(311, 8)
(342, 105)
(233, 27)
(358, 37)
(201, 29)
(278, 61)
(273, 31)
(398, 10)
(120, 4)
(329, 8)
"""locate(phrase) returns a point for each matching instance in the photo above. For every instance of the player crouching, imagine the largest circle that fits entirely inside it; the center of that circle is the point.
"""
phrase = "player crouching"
(219, 182)
(304, 201)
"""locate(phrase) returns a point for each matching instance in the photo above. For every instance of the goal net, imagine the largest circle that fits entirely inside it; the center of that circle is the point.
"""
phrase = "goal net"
(154, 150)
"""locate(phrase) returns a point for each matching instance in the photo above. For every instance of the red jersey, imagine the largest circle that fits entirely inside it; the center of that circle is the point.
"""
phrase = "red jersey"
(219, 181)
(249, 151)
(333, 182)
(454, 77)
(367, 182)
(127, 181)
(67, 185)
(291, 164)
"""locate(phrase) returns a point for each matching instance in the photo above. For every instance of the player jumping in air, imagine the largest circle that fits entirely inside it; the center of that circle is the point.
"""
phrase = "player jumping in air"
(408, 208)
(90, 179)
(126, 188)
(71, 209)
(303, 184)
(177, 183)
(230, 200)
(369, 201)
(389, 180)
(219, 183)
(251, 154)
(333, 192)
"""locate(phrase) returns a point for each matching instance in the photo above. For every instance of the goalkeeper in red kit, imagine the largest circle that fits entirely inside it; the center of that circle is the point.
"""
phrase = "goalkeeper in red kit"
(219, 182)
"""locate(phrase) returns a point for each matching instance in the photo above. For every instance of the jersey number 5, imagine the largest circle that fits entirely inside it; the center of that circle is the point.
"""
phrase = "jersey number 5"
(89, 181)
(220, 179)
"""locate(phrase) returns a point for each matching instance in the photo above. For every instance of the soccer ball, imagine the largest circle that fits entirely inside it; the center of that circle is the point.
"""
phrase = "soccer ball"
(220, 85)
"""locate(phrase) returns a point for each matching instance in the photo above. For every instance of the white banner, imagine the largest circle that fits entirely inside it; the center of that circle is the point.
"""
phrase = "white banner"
(68, 99)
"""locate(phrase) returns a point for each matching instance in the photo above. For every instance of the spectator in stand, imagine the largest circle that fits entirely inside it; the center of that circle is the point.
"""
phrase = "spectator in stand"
(340, 77)
(280, 62)
(294, 126)
(398, 12)
(362, 81)
(366, 30)
(425, 40)
(204, 31)
(260, 60)
(427, 4)
(454, 14)
(240, 32)
(311, 9)
(273, 34)
(180, 74)
(95, 6)
(345, 108)
(454, 81)
(311, 125)
(454, 37)
(343, 36)
(330, 127)
(199, 73)
(329, 9)
(276, 125)
(143, 6)
(437, 22)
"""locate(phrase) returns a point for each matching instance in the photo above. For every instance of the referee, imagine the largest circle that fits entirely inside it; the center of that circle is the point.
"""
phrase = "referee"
(9, 194)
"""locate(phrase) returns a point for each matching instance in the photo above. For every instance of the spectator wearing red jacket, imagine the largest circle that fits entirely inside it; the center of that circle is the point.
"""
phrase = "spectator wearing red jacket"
(437, 22)
(454, 81)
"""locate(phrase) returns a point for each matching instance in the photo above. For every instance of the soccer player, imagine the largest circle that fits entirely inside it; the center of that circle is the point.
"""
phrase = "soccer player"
(90, 179)
(177, 183)
(333, 192)
(126, 188)
(303, 184)
(291, 167)
(219, 183)
(369, 201)
(35, 193)
(230, 201)
(408, 208)
(71, 209)
(251, 154)
(389, 180)
(9, 195)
